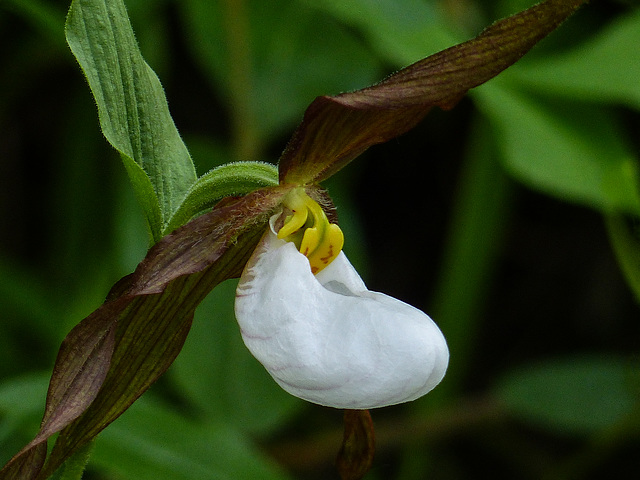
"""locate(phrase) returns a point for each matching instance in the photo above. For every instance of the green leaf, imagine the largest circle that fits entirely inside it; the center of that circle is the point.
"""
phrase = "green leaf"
(337, 129)
(44, 16)
(132, 107)
(27, 301)
(282, 45)
(22, 396)
(571, 151)
(605, 68)
(21, 403)
(150, 442)
(114, 355)
(575, 395)
(401, 30)
(624, 235)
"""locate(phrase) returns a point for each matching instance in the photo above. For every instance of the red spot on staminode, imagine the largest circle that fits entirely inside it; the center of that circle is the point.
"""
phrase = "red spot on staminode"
(329, 256)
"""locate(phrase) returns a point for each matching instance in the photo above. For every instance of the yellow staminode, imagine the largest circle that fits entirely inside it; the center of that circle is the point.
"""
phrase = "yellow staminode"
(308, 227)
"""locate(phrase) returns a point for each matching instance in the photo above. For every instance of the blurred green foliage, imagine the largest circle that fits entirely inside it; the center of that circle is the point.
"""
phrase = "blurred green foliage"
(488, 217)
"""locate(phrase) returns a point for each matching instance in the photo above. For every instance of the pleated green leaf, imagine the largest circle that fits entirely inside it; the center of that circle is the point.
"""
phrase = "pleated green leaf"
(133, 111)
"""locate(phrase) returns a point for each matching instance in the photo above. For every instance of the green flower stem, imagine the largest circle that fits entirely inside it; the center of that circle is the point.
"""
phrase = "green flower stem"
(238, 178)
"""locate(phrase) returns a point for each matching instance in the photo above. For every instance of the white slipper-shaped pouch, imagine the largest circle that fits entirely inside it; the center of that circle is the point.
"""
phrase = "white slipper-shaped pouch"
(327, 339)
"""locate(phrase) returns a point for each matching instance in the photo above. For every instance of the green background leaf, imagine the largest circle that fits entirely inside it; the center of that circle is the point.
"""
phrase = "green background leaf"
(572, 395)
(603, 69)
(287, 67)
(401, 31)
(153, 442)
(625, 240)
(584, 160)
(218, 374)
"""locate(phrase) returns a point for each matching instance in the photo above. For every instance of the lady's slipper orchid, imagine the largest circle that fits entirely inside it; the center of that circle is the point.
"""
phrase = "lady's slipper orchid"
(323, 337)
(326, 338)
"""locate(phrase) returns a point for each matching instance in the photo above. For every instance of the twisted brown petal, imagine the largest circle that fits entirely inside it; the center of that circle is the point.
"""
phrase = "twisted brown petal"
(335, 130)
(114, 355)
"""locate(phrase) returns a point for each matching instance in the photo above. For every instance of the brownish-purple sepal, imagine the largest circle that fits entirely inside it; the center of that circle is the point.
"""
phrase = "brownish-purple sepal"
(114, 355)
(358, 445)
(337, 129)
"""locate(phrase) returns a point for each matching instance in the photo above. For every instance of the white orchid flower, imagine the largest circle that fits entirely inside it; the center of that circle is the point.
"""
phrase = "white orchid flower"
(326, 338)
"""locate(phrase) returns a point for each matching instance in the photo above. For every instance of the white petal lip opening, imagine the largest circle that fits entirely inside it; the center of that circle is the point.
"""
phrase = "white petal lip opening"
(329, 340)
